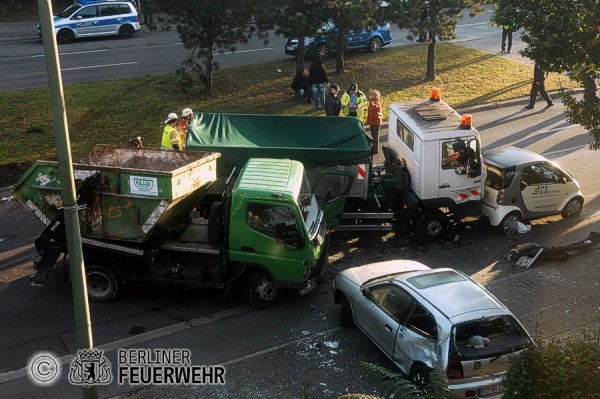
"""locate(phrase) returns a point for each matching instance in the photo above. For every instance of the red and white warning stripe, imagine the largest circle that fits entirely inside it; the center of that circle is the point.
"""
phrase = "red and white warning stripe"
(362, 172)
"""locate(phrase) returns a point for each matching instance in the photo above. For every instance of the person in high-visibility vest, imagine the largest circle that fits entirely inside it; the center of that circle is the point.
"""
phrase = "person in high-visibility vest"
(171, 140)
(353, 102)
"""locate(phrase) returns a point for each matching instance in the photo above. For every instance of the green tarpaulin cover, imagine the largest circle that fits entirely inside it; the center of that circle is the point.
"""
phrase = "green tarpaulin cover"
(312, 140)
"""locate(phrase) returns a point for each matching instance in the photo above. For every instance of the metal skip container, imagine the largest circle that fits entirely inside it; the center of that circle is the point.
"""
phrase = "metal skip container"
(127, 194)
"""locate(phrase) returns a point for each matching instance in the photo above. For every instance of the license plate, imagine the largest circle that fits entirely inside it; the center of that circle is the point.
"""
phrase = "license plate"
(490, 390)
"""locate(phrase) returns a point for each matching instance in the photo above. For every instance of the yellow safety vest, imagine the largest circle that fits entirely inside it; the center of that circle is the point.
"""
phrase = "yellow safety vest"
(166, 138)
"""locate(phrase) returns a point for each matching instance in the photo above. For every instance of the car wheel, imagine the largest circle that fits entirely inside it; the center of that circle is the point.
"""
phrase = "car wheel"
(65, 36)
(573, 208)
(509, 224)
(102, 285)
(260, 291)
(322, 52)
(346, 317)
(431, 227)
(420, 375)
(126, 32)
(376, 44)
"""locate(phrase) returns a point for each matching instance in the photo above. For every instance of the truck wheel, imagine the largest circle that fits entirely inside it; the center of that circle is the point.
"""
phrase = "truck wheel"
(260, 291)
(215, 224)
(102, 285)
(346, 317)
(509, 224)
(431, 227)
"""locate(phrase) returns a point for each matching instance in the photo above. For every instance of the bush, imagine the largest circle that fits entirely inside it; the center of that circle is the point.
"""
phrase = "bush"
(565, 368)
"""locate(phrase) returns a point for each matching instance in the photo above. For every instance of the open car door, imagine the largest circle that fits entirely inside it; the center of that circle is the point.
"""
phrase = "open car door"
(331, 189)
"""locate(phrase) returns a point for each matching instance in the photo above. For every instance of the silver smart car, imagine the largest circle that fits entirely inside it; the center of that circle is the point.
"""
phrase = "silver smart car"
(523, 185)
(424, 318)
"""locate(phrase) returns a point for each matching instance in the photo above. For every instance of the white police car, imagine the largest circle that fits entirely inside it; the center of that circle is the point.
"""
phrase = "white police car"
(523, 185)
(87, 18)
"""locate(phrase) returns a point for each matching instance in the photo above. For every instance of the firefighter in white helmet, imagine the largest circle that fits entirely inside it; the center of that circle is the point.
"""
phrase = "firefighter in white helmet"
(171, 140)
(183, 124)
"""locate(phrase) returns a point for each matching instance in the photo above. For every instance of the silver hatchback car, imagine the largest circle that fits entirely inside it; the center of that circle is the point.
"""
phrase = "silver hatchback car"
(424, 318)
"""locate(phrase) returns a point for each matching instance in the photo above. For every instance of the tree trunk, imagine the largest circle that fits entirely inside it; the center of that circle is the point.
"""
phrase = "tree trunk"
(210, 59)
(300, 56)
(430, 76)
(339, 58)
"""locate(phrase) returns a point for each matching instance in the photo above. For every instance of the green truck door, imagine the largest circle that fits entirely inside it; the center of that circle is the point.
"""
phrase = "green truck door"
(331, 189)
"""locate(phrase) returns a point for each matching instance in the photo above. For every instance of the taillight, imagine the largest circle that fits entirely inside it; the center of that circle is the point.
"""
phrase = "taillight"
(455, 370)
(500, 197)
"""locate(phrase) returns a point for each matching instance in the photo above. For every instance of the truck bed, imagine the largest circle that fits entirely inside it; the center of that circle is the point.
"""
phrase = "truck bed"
(193, 239)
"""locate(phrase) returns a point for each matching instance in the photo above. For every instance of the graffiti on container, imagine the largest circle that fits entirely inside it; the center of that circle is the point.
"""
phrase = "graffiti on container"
(153, 218)
(43, 179)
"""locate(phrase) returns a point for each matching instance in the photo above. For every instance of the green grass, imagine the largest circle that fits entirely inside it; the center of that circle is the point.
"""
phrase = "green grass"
(20, 10)
(112, 112)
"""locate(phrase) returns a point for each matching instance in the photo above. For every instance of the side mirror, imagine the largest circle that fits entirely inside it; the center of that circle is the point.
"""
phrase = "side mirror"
(563, 179)
(460, 170)
(366, 292)
(523, 185)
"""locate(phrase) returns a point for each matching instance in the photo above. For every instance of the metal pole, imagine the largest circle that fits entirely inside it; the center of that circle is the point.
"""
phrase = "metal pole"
(83, 325)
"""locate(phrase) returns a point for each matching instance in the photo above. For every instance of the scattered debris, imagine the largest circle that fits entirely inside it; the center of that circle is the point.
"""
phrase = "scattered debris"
(331, 344)
(6, 200)
(526, 254)
(523, 228)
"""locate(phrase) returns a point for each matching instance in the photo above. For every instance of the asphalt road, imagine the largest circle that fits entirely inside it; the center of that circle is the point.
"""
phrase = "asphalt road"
(284, 345)
(157, 52)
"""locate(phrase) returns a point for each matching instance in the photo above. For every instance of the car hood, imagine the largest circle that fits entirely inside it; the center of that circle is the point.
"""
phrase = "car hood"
(359, 275)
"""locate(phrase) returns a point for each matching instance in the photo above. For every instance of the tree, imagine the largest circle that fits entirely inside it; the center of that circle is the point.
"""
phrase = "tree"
(297, 18)
(209, 26)
(438, 18)
(349, 15)
(563, 37)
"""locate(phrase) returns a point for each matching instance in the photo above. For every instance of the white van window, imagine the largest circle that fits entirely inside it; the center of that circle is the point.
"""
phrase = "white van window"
(458, 152)
(405, 135)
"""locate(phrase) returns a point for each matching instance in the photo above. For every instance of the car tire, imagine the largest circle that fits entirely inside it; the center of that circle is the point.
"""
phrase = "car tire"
(509, 224)
(102, 285)
(376, 44)
(573, 208)
(322, 51)
(346, 316)
(420, 375)
(65, 36)
(431, 227)
(126, 32)
(260, 291)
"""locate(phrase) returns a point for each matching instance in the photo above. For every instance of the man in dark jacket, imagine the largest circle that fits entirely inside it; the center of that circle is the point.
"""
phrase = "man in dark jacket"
(333, 105)
(301, 86)
(538, 86)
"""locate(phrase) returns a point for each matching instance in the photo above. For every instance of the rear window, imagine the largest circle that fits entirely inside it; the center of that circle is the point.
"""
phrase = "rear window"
(489, 337)
(433, 279)
(499, 179)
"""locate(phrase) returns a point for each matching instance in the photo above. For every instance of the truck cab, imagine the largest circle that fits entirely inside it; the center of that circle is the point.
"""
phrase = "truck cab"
(442, 152)
(277, 228)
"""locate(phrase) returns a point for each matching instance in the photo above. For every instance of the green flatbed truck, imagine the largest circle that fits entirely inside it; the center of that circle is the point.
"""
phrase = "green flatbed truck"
(267, 231)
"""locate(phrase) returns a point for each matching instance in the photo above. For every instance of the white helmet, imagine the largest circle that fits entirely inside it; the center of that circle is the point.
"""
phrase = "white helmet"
(186, 112)
(171, 117)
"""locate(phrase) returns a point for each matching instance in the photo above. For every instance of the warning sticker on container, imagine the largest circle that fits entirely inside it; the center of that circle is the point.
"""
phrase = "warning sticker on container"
(143, 185)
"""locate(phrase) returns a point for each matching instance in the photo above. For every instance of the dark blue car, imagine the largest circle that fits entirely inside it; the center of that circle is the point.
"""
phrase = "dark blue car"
(323, 44)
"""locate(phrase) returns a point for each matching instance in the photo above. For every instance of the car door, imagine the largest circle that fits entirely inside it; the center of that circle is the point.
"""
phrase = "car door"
(386, 307)
(331, 189)
(109, 19)
(460, 174)
(85, 21)
(542, 189)
(416, 339)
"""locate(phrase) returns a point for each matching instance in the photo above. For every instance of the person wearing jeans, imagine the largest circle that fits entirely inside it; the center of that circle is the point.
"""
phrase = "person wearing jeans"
(318, 80)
